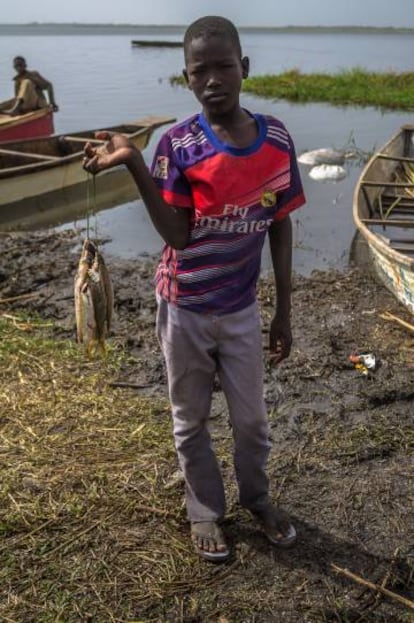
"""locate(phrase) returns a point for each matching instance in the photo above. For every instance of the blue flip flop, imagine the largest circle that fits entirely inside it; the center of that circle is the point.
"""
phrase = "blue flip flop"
(284, 541)
(270, 527)
(209, 530)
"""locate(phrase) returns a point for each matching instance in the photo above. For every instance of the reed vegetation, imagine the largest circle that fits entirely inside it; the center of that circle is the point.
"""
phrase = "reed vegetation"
(355, 86)
(350, 87)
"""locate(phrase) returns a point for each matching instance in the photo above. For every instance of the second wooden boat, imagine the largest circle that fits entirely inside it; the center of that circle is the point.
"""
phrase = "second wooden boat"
(33, 167)
(29, 125)
(383, 211)
(156, 43)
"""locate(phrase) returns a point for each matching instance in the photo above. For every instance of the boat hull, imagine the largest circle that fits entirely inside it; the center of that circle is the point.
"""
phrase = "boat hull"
(395, 269)
(395, 275)
(30, 125)
(35, 167)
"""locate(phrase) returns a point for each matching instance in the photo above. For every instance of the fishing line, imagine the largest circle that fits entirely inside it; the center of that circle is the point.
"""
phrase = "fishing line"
(91, 210)
(88, 201)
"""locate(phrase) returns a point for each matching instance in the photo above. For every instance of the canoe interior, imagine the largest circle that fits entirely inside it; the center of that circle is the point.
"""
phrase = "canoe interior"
(385, 197)
(382, 176)
(58, 146)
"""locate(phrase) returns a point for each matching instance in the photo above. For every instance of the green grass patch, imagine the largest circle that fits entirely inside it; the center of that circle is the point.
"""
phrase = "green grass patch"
(353, 87)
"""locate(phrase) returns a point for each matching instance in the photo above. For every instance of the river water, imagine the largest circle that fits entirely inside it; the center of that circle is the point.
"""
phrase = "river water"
(101, 79)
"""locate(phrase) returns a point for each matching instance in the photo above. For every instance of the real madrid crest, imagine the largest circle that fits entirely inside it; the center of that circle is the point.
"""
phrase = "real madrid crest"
(268, 199)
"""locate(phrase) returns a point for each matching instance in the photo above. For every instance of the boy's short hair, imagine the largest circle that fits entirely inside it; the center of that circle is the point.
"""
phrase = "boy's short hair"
(212, 26)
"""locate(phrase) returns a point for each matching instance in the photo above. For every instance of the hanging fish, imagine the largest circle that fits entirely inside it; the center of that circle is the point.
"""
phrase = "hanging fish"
(93, 299)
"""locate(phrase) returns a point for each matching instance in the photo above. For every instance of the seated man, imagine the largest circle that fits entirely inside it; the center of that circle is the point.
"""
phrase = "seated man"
(28, 89)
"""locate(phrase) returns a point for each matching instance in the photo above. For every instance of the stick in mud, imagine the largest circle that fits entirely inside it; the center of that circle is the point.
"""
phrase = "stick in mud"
(375, 587)
(403, 323)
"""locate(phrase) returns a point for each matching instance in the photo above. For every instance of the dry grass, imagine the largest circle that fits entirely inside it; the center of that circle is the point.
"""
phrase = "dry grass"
(84, 501)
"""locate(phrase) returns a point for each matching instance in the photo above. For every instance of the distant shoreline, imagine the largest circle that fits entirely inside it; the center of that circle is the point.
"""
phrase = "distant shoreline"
(82, 28)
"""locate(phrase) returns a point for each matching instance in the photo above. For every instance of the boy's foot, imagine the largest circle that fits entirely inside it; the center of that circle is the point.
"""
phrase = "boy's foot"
(276, 525)
(209, 541)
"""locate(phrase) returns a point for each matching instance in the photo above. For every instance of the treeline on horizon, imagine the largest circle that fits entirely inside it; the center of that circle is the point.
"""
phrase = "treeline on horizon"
(289, 28)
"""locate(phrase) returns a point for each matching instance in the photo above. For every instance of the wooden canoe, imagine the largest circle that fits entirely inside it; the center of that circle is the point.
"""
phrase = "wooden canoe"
(156, 43)
(33, 167)
(383, 212)
(30, 125)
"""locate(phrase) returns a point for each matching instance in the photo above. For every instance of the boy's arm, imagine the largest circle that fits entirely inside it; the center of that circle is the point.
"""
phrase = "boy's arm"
(51, 96)
(280, 337)
(45, 85)
(173, 224)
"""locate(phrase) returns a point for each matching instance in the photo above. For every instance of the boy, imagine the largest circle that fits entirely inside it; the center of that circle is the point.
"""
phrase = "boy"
(220, 181)
(29, 87)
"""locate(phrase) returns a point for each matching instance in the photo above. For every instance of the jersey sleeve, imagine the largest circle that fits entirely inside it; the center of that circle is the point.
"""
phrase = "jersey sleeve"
(293, 197)
(168, 175)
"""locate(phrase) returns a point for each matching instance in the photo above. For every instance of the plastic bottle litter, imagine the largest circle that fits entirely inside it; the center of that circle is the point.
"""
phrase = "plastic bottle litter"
(364, 362)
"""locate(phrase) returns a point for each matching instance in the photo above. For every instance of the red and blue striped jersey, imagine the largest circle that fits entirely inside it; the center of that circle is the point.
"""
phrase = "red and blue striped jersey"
(234, 194)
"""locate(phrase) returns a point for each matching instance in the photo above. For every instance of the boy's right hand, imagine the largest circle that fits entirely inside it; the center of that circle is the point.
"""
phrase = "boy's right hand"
(280, 340)
(115, 151)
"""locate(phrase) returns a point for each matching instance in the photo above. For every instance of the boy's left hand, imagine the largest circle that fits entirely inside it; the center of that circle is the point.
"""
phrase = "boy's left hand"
(280, 340)
(116, 150)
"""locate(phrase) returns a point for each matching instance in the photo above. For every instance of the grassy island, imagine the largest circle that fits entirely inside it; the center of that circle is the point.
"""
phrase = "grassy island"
(356, 87)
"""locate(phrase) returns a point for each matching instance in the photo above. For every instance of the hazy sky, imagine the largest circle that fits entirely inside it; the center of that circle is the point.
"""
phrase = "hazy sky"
(248, 13)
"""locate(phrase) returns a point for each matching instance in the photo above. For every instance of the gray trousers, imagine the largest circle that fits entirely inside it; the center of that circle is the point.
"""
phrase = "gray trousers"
(195, 348)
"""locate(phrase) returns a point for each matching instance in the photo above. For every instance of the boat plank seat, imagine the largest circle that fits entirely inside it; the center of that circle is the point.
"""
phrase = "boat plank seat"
(80, 139)
(25, 154)
(403, 200)
(388, 222)
(395, 158)
(402, 208)
(396, 206)
(386, 184)
(403, 240)
(402, 214)
(403, 247)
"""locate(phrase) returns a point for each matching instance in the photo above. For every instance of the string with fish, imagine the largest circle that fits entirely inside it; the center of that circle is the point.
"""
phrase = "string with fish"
(90, 210)
(93, 292)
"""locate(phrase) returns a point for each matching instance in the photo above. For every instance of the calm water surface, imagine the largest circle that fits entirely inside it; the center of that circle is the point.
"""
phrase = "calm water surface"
(101, 80)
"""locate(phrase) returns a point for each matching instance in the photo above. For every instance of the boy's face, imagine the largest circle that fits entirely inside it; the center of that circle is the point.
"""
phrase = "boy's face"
(214, 72)
(19, 65)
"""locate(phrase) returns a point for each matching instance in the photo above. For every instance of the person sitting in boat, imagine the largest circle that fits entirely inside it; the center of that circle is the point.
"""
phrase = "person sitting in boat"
(29, 87)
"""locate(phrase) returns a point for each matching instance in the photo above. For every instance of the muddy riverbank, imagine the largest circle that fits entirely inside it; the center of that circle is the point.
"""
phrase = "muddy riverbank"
(342, 458)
